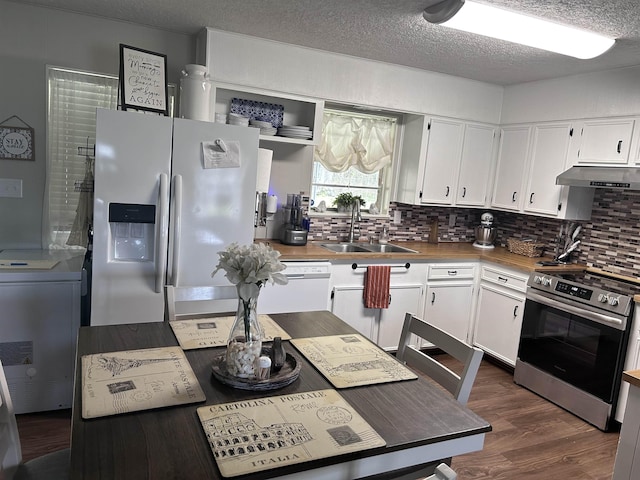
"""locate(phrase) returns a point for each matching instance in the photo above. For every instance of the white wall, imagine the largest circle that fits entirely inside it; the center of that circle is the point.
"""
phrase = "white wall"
(255, 62)
(607, 93)
(33, 37)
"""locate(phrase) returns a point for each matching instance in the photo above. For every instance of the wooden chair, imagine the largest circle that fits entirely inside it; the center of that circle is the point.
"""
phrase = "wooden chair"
(443, 472)
(458, 385)
(194, 302)
(53, 466)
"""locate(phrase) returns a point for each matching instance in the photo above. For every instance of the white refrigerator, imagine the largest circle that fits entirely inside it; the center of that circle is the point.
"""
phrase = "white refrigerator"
(169, 194)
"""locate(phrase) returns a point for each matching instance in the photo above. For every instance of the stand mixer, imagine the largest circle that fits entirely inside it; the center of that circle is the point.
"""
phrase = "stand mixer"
(485, 232)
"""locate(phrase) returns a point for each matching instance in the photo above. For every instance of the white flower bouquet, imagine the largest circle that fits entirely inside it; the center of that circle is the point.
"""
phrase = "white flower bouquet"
(254, 264)
(248, 267)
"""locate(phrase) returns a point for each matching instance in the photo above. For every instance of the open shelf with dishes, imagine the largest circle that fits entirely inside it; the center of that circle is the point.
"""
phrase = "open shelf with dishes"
(296, 120)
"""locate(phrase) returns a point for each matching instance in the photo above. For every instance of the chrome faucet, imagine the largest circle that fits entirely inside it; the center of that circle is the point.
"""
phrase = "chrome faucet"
(355, 217)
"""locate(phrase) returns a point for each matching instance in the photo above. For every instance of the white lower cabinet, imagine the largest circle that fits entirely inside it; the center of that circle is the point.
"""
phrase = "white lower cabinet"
(499, 313)
(632, 362)
(449, 298)
(381, 325)
(627, 465)
(348, 305)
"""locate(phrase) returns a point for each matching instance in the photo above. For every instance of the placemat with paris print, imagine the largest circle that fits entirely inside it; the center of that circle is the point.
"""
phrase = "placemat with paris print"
(263, 433)
(352, 360)
(134, 380)
(214, 331)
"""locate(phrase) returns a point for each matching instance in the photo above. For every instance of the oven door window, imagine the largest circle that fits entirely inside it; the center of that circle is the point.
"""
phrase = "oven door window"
(583, 353)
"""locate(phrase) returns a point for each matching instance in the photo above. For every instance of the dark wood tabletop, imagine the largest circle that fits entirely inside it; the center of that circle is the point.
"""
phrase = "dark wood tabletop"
(412, 416)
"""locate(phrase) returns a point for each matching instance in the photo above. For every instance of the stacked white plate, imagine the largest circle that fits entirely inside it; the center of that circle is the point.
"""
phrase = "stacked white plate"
(295, 131)
(236, 119)
(265, 127)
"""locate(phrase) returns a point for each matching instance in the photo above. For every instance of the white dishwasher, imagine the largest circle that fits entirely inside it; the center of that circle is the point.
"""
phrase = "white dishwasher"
(307, 290)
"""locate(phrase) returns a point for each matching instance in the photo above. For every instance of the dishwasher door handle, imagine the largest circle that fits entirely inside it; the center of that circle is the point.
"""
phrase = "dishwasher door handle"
(296, 276)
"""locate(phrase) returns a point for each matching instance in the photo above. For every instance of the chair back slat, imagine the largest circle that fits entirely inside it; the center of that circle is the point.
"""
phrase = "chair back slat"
(10, 451)
(470, 356)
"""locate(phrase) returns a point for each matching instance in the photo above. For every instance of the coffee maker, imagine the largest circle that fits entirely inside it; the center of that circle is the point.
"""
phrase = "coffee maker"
(296, 225)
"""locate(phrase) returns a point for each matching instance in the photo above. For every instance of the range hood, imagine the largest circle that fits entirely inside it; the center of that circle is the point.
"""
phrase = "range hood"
(601, 177)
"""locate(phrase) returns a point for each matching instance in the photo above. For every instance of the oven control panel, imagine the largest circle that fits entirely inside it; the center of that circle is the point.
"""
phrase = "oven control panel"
(597, 292)
(573, 290)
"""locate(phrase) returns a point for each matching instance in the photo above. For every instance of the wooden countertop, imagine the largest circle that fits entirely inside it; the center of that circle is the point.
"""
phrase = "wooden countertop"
(451, 251)
(440, 252)
(632, 376)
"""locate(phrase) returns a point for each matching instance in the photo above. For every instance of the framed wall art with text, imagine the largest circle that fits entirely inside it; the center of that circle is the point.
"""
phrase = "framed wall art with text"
(143, 80)
(16, 143)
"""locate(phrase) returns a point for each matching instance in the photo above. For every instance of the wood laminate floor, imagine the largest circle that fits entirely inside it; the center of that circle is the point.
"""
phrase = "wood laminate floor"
(531, 437)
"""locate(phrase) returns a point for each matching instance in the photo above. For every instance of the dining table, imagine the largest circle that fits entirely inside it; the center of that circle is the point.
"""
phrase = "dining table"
(421, 423)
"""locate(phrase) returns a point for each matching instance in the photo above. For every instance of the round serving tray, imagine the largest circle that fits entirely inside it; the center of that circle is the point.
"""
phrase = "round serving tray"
(285, 376)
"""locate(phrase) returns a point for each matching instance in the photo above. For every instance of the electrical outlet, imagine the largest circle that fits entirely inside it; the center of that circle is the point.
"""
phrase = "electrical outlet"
(397, 217)
(452, 220)
(11, 187)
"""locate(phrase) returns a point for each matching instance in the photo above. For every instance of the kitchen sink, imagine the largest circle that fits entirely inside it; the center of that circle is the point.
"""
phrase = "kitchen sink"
(343, 247)
(388, 248)
(366, 247)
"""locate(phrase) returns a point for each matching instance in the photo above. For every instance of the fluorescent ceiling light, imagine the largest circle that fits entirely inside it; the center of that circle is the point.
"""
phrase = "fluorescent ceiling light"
(495, 22)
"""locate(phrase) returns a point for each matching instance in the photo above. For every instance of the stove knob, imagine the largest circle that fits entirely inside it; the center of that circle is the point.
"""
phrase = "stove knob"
(603, 298)
(537, 279)
(613, 301)
(546, 281)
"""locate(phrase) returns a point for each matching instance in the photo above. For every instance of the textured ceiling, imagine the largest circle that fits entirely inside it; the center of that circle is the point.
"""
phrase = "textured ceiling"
(391, 31)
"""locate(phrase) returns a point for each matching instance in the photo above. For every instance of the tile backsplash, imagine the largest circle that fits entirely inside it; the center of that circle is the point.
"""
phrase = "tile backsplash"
(610, 240)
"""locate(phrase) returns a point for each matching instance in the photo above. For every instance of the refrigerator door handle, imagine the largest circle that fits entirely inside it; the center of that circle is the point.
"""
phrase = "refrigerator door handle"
(176, 233)
(161, 235)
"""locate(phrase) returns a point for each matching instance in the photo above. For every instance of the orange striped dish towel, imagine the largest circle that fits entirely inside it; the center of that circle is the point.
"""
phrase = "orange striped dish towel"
(376, 286)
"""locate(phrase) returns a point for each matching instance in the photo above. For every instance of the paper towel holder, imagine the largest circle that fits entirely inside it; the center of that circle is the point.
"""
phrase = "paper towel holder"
(272, 204)
(266, 206)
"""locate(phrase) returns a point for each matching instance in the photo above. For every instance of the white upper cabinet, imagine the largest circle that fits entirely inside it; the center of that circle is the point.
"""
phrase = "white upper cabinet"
(548, 160)
(605, 141)
(530, 159)
(295, 110)
(510, 169)
(475, 165)
(442, 161)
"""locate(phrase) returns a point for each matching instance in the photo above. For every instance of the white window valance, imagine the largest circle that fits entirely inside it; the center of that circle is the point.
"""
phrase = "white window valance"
(365, 143)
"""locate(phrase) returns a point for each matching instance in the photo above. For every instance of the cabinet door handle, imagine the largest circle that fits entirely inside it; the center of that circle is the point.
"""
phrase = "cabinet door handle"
(453, 273)
(503, 279)
(464, 191)
(619, 146)
(513, 197)
(531, 197)
(389, 301)
(515, 311)
(447, 194)
(433, 297)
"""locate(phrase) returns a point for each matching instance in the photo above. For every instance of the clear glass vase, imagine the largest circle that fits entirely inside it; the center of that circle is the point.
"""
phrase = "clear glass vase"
(245, 340)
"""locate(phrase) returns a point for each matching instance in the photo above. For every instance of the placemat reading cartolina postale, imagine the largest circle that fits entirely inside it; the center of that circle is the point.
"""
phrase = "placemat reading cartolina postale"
(264, 433)
(352, 360)
(214, 331)
(134, 380)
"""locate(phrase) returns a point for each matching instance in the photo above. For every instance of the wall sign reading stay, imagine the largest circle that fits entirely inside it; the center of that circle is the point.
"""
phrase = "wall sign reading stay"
(143, 80)
(16, 143)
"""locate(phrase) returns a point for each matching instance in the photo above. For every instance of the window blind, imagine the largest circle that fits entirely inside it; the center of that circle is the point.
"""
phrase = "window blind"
(73, 97)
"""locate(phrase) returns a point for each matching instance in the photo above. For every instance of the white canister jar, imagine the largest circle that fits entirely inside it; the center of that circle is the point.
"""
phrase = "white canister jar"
(195, 93)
